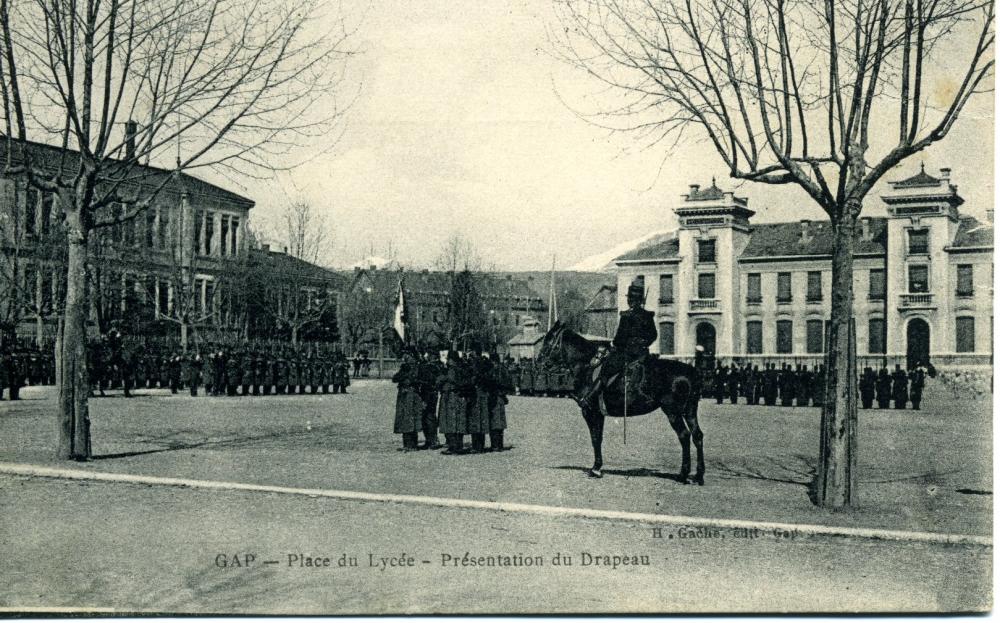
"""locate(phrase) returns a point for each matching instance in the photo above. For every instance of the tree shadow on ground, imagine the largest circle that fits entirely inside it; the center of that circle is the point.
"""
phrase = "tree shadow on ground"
(188, 440)
(637, 472)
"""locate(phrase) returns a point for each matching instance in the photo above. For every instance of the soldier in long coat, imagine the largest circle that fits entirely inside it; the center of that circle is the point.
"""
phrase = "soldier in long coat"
(899, 389)
(819, 385)
(770, 385)
(502, 384)
(194, 366)
(428, 371)
(342, 374)
(883, 388)
(409, 403)
(455, 386)
(804, 380)
(733, 383)
(479, 404)
(246, 370)
(866, 385)
(917, 377)
(280, 374)
(294, 374)
(786, 385)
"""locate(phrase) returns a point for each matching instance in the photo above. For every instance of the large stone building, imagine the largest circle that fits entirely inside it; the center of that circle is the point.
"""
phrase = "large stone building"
(178, 262)
(923, 280)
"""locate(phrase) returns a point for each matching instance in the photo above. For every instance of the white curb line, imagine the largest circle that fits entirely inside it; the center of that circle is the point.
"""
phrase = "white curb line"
(507, 507)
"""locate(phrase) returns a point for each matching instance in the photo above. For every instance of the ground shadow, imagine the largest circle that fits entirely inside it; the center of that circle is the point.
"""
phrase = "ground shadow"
(638, 472)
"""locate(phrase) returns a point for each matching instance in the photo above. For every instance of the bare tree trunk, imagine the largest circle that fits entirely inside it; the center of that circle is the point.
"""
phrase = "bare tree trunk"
(74, 390)
(39, 330)
(295, 335)
(184, 336)
(836, 474)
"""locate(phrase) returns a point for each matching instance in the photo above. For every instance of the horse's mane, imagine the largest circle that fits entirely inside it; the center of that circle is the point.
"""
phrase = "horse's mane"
(574, 339)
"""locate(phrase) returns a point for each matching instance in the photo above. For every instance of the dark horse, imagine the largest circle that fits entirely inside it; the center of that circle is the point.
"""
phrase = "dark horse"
(673, 386)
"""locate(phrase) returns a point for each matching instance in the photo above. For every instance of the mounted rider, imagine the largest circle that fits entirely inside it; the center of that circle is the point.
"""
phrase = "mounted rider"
(636, 331)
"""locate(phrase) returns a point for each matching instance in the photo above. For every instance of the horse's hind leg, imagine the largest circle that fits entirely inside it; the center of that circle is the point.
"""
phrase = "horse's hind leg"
(677, 422)
(595, 423)
(691, 416)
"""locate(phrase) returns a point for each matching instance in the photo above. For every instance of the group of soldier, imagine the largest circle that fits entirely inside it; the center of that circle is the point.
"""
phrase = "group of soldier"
(455, 393)
(883, 388)
(222, 370)
(801, 386)
(23, 365)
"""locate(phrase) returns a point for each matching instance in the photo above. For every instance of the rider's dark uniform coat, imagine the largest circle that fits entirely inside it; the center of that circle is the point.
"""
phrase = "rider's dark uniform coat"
(636, 331)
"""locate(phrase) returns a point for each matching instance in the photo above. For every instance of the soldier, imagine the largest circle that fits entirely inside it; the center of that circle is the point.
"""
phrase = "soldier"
(733, 383)
(357, 364)
(786, 385)
(636, 331)
(294, 373)
(719, 383)
(194, 367)
(899, 390)
(770, 385)
(316, 373)
(455, 386)
(883, 388)
(428, 371)
(804, 381)
(231, 370)
(244, 368)
(409, 403)
(4, 368)
(502, 384)
(917, 377)
(280, 374)
(15, 374)
(342, 377)
(866, 385)
(478, 420)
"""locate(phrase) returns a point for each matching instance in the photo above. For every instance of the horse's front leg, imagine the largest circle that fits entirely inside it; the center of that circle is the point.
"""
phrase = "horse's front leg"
(699, 443)
(595, 423)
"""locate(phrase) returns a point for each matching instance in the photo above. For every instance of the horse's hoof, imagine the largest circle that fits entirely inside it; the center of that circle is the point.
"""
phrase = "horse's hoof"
(700, 481)
(595, 473)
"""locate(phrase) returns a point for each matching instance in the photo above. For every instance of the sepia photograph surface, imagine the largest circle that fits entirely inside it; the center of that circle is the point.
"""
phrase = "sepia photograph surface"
(515, 307)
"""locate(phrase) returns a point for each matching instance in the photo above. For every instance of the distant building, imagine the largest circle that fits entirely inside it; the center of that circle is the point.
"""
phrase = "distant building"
(923, 280)
(601, 312)
(508, 304)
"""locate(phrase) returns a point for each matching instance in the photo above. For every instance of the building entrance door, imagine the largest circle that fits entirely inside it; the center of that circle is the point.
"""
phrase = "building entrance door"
(704, 336)
(918, 343)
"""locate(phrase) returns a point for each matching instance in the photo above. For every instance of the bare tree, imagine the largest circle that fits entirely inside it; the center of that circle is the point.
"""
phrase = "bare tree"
(828, 95)
(217, 83)
(305, 231)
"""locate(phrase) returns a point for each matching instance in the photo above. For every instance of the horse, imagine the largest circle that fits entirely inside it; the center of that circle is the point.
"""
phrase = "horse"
(671, 386)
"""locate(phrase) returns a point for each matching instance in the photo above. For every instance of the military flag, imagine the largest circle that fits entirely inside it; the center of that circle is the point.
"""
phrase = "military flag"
(400, 317)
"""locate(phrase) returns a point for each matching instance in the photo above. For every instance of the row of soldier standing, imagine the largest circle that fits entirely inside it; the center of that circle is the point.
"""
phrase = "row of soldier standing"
(464, 395)
(786, 386)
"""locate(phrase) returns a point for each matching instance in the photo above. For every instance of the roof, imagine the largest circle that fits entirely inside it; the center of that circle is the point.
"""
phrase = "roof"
(49, 157)
(972, 233)
(435, 284)
(920, 179)
(288, 265)
(785, 239)
(660, 247)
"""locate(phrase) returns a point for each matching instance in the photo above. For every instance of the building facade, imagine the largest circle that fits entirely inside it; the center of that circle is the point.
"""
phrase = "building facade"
(923, 280)
(164, 264)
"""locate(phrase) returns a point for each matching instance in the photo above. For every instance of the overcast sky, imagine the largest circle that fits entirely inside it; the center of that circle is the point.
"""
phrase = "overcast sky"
(458, 127)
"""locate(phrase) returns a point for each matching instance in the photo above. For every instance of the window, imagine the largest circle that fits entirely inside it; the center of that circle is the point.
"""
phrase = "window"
(150, 227)
(965, 334)
(46, 212)
(964, 287)
(784, 287)
(814, 286)
(753, 288)
(162, 298)
(199, 219)
(666, 289)
(755, 337)
(783, 336)
(706, 251)
(224, 230)
(876, 284)
(918, 279)
(30, 210)
(918, 242)
(666, 338)
(814, 336)
(232, 236)
(876, 336)
(706, 285)
(209, 232)
(164, 227)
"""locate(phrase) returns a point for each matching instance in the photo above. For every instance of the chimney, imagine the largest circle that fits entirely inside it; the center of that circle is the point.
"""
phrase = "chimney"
(804, 227)
(693, 189)
(131, 129)
(946, 174)
(989, 215)
(866, 228)
(266, 248)
(284, 250)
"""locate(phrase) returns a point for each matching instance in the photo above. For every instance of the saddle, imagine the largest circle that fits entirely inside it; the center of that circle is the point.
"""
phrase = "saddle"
(634, 374)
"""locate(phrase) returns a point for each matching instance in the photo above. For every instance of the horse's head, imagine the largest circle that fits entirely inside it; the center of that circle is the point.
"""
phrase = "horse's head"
(550, 343)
